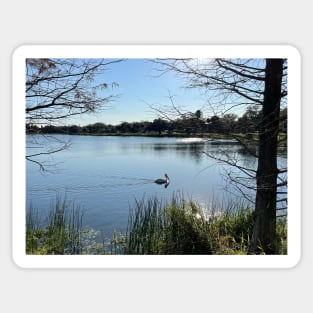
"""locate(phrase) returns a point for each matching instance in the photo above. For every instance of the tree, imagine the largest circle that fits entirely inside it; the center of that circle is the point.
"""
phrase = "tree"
(229, 121)
(198, 114)
(250, 120)
(57, 89)
(264, 232)
(159, 125)
(233, 84)
(215, 124)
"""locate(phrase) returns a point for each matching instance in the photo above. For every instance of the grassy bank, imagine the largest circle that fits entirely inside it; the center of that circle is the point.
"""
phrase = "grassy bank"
(176, 228)
(181, 227)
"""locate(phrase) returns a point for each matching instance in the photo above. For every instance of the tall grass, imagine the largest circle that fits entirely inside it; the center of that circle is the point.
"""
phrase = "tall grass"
(178, 227)
(62, 233)
(182, 227)
(281, 235)
(231, 229)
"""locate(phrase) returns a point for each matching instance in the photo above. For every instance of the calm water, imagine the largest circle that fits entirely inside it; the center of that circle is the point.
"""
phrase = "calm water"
(105, 175)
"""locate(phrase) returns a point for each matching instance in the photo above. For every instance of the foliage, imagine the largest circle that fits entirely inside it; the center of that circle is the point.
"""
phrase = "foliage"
(62, 233)
(170, 229)
(182, 227)
(281, 236)
(178, 228)
(191, 124)
(232, 229)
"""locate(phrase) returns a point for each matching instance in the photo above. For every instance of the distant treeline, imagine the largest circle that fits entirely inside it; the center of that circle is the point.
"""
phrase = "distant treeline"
(193, 123)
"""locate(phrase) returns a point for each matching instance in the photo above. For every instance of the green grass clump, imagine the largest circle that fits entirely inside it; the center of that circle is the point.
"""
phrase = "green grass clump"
(62, 233)
(231, 230)
(281, 235)
(170, 229)
(182, 227)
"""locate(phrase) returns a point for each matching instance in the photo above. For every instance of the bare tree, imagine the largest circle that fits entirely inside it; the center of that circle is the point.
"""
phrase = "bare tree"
(264, 232)
(236, 84)
(57, 89)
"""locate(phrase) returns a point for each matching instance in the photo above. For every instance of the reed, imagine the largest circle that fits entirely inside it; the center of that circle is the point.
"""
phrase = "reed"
(177, 227)
(183, 227)
(59, 233)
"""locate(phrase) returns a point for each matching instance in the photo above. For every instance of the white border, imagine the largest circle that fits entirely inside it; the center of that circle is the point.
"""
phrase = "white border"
(157, 51)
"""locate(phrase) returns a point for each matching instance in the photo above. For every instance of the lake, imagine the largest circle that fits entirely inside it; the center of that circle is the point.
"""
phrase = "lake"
(104, 175)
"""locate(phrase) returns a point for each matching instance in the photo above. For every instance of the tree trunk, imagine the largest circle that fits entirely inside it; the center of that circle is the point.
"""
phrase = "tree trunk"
(264, 232)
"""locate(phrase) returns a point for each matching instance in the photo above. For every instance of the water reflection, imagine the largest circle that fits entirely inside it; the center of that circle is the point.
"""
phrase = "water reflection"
(190, 150)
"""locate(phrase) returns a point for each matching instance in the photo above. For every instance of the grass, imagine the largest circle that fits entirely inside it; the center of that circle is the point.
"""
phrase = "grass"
(182, 227)
(281, 233)
(62, 233)
(154, 227)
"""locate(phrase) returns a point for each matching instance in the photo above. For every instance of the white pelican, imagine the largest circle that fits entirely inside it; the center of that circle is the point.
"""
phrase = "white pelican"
(162, 181)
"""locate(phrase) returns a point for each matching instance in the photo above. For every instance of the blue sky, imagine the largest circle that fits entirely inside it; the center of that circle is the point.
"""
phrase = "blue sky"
(138, 87)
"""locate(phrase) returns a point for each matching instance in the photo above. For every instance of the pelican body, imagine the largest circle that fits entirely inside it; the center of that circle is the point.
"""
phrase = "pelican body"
(162, 181)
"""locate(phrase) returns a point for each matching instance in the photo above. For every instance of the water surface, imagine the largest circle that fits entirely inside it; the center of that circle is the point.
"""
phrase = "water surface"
(105, 175)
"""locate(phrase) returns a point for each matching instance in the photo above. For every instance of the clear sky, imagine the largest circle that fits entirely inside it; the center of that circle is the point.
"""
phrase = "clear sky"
(138, 86)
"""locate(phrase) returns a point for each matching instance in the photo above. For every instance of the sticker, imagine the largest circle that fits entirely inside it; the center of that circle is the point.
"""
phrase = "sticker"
(156, 156)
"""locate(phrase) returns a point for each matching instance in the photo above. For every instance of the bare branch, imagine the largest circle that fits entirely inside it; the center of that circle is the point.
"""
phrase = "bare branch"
(58, 85)
(237, 72)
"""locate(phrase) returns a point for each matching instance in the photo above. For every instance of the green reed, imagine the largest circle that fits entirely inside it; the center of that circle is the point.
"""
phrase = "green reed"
(177, 227)
(59, 233)
(183, 227)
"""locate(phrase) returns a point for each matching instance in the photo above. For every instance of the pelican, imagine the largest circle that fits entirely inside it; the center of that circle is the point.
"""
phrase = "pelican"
(162, 181)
